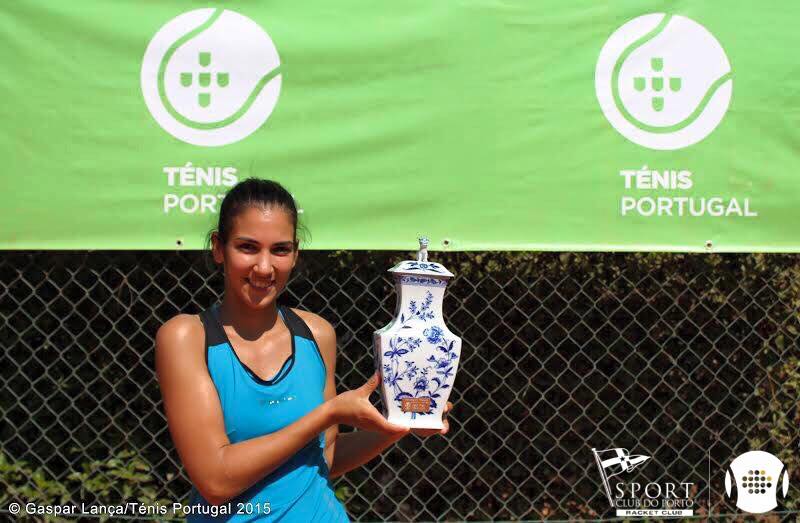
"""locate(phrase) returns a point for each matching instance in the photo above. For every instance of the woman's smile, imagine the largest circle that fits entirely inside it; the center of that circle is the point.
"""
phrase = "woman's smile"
(260, 285)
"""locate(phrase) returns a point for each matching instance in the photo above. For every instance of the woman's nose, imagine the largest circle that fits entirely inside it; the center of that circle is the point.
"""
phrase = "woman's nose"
(264, 265)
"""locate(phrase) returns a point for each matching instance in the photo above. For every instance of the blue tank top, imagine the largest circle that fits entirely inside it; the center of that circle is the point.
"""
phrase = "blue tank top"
(299, 490)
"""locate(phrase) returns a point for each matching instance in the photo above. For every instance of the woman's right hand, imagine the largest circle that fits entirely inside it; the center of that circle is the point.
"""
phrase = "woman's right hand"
(354, 408)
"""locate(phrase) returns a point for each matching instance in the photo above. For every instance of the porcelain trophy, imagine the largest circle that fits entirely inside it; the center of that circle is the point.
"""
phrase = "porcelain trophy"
(416, 353)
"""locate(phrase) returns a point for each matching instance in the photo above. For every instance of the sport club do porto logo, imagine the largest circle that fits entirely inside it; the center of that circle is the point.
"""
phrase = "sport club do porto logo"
(663, 81)
(636, 498)
(210, 77)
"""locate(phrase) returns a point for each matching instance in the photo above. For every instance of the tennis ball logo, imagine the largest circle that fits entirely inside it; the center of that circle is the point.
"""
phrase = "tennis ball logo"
(663, 81)
(210, 77)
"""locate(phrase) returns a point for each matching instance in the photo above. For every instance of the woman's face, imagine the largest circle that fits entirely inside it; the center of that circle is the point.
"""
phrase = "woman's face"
(259, 255)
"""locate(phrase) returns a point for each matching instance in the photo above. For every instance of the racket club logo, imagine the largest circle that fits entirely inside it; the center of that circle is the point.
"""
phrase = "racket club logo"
(638, 498)
(663, 81)
(211, 77)
(757, 481)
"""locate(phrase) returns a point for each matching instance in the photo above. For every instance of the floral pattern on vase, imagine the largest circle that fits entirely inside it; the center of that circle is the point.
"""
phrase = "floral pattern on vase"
(426, 381)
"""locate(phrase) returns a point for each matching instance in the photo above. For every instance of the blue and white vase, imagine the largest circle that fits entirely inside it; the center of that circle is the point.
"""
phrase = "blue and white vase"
(416, 353)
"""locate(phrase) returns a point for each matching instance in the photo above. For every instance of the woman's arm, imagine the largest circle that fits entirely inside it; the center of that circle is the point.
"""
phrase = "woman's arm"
(356, 448)
(221, 470)
(353, 449)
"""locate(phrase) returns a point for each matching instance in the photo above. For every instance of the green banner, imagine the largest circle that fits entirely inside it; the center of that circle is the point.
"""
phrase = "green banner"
(542, 125)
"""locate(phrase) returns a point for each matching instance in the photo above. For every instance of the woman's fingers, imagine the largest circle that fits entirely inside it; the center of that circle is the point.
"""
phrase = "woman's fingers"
(390, 428)
(372, 383)
(377, 423)
(432, 432)
(444, 430)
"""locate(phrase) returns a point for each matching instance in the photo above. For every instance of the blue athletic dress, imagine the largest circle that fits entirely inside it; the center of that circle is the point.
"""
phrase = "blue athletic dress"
(299, 490)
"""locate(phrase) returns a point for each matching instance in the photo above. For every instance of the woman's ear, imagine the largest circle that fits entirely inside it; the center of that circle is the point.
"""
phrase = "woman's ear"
(217, 249)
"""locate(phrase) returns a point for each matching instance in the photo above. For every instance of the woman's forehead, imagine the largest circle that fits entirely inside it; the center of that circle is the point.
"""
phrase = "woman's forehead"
(263, 224)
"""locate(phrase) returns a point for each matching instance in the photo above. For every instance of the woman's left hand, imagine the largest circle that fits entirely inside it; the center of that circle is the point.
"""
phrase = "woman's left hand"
(431, 432)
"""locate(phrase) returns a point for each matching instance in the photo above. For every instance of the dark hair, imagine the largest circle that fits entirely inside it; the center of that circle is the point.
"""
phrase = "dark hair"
(253, 192)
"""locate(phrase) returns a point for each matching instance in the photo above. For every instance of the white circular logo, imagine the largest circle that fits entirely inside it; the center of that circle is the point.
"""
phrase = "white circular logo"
(663, 81)
(756, 480)
(211, 77)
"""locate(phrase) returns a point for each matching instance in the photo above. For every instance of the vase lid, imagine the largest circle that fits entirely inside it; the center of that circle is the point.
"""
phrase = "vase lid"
(421, 266)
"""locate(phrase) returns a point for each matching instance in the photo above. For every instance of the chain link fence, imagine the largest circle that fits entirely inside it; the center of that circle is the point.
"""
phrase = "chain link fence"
(688, 359)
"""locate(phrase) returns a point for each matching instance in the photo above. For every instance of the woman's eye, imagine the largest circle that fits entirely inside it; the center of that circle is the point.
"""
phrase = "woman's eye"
(247, 247)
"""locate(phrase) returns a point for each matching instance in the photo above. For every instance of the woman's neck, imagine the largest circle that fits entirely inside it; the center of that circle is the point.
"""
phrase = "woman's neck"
(249, 324)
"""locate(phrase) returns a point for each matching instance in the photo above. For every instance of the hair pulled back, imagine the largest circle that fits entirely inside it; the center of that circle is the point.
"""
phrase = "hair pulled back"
(254, 192)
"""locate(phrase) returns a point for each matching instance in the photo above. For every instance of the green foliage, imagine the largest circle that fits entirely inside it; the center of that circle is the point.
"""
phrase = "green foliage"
(780, 417)
(21, 482)
(123, 477)
(343, 493)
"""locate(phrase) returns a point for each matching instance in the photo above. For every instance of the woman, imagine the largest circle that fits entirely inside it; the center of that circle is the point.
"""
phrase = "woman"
(248, 386)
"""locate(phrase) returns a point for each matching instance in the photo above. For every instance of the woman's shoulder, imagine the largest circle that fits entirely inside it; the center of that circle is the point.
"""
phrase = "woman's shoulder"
(321, 329)
(179, 332)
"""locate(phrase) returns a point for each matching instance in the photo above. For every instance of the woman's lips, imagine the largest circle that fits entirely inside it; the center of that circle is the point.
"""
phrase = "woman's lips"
(261, 286)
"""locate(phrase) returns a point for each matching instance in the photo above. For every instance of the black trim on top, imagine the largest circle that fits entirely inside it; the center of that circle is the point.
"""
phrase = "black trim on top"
(279, 375)
(212, 333)
(215, 335)
(298, 327)
(296, 324)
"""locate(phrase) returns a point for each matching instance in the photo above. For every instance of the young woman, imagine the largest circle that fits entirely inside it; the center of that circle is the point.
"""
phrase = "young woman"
(248, 385)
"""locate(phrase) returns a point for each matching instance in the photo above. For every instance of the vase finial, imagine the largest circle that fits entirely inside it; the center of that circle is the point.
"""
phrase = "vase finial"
(422, 254)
